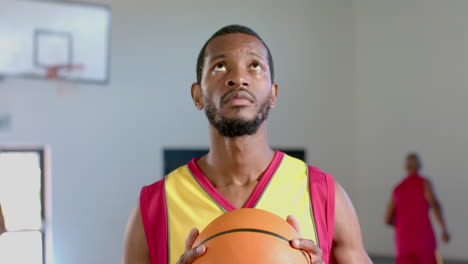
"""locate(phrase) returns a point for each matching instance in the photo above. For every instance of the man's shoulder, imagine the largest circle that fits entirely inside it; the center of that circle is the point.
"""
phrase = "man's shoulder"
(159, 183)
(316, 173)
(400, 185)
(319, 177)
(151, 189)
(310, 168)
(315, 170)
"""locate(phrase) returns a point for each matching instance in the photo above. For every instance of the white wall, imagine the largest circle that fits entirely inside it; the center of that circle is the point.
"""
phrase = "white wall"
(107, 141)
(412, 87)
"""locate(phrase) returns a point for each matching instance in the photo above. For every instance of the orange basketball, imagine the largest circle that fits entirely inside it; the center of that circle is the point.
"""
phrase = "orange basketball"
(249, 236)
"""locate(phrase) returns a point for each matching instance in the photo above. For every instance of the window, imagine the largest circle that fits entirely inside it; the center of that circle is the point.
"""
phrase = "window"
(22, 193)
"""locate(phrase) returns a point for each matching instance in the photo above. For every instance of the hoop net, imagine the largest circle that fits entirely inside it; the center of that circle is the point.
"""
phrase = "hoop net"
(65, 78)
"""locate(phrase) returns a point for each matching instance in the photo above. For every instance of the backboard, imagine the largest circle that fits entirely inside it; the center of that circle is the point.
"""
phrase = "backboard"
(37, 35)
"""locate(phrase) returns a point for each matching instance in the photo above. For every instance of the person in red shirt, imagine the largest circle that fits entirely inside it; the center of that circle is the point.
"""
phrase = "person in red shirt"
(408, 213)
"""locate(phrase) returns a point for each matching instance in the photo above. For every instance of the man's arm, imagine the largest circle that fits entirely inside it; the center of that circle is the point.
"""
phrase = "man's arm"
(347, 247)
(390, 214)
(435, 204)
(135, 249)
(2, 222)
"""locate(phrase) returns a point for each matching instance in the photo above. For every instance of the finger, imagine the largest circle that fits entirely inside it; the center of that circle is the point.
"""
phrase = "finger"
(189, 256)
(192, 236)
(308, 246)
(291, 219)
(314, 252)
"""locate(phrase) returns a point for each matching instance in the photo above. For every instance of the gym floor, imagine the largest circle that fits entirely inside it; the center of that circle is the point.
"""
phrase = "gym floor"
(387, 260)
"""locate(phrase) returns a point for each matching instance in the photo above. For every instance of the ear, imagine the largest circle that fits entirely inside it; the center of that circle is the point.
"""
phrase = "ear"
(274, 94)
(197, 96)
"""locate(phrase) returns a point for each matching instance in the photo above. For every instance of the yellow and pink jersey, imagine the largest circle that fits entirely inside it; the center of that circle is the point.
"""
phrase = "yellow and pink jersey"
(185, 198)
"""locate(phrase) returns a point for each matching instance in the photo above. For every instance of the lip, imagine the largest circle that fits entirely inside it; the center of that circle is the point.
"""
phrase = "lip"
(238, 98)
(238, 101)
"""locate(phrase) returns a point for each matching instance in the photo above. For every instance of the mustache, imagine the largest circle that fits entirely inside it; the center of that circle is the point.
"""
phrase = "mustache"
(241, 92)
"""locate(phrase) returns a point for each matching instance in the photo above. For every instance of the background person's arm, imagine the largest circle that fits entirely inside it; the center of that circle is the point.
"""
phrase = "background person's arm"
(135, 248)
(390, 213)
(348, 247)
(437, 208)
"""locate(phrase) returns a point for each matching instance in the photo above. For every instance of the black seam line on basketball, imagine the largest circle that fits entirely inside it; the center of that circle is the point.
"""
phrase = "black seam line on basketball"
(305, 256)
(251, 230)
(245, 230)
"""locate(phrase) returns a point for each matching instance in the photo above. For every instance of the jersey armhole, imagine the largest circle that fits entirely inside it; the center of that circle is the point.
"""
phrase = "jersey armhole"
(154, 217)
(331, 209)
(322, 195)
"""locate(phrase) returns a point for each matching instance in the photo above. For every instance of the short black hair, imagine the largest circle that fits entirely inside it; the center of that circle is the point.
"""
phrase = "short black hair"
(232, 29)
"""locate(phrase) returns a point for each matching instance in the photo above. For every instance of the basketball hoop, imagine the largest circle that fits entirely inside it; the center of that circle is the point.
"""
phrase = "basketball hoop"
(65, 76)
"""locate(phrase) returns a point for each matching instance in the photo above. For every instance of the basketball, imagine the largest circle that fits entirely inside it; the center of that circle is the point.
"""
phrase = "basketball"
(249, 236)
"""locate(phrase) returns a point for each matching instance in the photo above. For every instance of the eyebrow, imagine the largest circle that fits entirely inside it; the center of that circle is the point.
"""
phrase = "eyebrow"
(219, 56)
(255, 55)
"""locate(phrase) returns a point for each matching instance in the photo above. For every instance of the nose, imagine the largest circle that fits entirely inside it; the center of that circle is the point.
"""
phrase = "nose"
(237, 79)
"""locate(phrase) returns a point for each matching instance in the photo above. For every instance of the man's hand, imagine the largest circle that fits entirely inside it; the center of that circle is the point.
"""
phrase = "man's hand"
(445, 236)
(315, 253)
(191, 253)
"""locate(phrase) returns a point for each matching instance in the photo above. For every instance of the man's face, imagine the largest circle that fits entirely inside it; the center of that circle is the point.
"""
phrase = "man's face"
(412, 165)
(236, 89)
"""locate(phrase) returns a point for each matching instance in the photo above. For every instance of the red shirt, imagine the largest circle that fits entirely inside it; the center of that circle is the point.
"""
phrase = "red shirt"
(413, 228)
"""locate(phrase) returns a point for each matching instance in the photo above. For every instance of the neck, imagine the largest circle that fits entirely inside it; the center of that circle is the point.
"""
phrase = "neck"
(237, 160)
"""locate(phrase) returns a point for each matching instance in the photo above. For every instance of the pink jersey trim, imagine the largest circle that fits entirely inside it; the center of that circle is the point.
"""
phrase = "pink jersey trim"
(263, 183)
(155, 221)
(322, 196)
(257, 192)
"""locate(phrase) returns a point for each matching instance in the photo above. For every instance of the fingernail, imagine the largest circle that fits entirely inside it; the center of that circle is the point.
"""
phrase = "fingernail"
(296, 242)
(200, 249)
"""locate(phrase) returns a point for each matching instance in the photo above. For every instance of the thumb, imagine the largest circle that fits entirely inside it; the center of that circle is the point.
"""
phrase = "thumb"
(291, 219)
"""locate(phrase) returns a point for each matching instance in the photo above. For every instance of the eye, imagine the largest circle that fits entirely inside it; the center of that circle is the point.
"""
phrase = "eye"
(220, 67)
(255, 66)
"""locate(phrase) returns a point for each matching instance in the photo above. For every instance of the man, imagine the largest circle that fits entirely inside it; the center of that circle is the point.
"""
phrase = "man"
(235, 86)
(408, 212)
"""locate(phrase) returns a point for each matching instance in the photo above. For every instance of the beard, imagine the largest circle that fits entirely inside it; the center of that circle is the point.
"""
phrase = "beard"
(236, 127)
